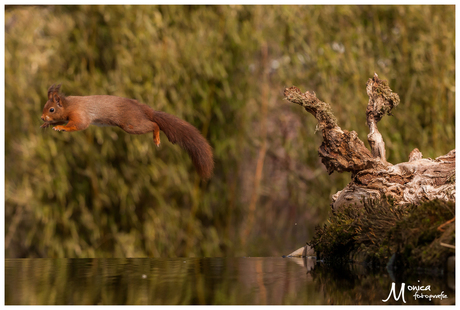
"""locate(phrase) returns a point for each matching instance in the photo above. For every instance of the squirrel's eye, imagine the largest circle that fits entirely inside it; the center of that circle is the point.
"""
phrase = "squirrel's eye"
(52, 110)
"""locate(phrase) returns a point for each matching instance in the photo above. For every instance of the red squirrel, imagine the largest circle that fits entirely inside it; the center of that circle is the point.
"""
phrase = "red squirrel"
(133, 117)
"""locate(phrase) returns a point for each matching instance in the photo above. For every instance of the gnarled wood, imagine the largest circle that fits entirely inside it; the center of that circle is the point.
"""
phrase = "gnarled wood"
(341, 150)
(414, 181)
(381, 101)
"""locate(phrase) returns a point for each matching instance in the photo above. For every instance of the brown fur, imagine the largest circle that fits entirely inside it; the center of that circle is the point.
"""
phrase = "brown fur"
(133, 117)
(188, 137)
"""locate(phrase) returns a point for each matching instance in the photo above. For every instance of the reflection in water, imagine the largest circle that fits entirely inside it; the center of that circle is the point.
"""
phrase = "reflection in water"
(356, 284)
(212, 281)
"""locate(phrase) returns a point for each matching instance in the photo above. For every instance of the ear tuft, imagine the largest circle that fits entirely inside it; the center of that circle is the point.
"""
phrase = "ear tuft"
(50, 91)
(55, 95)
(54, 89)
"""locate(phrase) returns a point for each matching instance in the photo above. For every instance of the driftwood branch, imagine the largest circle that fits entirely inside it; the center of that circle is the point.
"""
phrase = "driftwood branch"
(414, 181)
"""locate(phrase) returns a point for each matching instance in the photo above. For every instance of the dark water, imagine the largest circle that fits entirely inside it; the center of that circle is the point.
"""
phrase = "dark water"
(211, 281)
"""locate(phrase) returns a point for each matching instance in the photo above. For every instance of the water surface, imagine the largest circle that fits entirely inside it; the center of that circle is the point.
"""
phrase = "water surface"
(210, 281)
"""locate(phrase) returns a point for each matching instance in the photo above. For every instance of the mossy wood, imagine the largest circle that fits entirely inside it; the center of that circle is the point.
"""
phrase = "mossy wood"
(419, 179)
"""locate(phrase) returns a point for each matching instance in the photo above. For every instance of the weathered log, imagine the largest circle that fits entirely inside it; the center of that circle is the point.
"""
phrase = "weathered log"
(409, 182)
(414, 181)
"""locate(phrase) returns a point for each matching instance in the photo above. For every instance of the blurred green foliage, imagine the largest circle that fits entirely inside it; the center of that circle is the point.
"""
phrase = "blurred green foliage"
(104, 193)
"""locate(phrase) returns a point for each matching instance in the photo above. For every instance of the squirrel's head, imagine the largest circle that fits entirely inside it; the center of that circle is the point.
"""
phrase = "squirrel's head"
(54, 109)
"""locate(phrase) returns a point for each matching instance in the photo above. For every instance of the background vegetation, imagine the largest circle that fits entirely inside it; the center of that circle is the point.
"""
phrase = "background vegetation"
(104, 193)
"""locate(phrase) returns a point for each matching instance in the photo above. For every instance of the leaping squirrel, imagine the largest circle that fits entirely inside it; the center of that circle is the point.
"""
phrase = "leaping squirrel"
(78, 112)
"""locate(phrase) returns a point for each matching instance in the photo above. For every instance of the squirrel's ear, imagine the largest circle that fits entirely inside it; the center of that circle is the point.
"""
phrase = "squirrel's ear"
(50, 91)
(57, 99)
(53, 94)
(53, 90)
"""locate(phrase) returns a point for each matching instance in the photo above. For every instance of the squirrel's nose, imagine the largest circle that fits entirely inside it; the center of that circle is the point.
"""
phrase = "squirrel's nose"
(43, 118)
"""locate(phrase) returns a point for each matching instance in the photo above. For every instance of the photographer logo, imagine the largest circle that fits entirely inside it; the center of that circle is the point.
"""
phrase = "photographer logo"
(421, 292)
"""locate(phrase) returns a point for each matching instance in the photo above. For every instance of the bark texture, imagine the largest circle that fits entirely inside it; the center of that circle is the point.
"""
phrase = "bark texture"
(417, 180)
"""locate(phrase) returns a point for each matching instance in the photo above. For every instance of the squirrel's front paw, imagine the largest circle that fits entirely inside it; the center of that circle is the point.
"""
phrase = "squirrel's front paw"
(45, 125)
(59, 128)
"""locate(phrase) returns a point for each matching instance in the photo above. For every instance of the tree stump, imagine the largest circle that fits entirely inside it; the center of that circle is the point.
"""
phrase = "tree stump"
(372, 177)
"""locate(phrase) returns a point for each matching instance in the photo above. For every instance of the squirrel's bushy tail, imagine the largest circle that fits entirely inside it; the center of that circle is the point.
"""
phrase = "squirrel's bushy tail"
(188, 137)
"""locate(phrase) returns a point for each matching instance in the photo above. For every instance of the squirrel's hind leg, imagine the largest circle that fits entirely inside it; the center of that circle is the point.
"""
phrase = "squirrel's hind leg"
(142, 127)
(156, 134)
